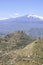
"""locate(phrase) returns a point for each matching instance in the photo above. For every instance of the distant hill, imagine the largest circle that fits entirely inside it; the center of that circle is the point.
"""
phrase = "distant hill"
(36, 32)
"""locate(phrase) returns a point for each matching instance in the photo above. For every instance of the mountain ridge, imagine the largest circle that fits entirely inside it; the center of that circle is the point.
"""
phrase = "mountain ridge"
(31, 15)
(20, 23)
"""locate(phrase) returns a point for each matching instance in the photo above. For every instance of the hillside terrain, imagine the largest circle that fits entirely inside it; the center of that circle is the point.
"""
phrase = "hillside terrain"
(18, 48)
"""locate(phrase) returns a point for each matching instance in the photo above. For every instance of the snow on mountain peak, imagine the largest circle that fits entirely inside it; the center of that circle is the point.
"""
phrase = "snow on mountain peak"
(35, 16)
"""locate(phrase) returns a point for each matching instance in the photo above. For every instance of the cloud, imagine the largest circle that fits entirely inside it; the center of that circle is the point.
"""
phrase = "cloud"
(3, 18)
(15, 15)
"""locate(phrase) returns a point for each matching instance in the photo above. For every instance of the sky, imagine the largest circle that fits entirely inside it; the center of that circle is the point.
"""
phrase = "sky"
(15, 8)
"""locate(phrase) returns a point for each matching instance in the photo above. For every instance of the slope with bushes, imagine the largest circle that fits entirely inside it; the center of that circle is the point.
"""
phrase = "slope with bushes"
(20, 49)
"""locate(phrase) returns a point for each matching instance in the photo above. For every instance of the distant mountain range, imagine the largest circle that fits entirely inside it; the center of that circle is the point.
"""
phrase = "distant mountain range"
(30, 24)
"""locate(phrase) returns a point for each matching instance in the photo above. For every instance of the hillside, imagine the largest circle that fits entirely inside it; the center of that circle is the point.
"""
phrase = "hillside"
(20, 49)
(15, 40)
(32, 54)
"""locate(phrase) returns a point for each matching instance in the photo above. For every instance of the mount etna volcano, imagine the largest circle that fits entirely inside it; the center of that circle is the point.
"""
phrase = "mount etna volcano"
(26, 23)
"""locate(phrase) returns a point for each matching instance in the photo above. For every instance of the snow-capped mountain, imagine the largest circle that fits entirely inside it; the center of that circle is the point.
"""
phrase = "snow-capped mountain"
(24, 23)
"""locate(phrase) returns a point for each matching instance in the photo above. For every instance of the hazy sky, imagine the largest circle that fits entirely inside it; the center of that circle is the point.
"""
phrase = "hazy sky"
(13, 8)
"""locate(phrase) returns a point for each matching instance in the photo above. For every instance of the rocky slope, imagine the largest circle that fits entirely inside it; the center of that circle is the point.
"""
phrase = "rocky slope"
(20, 49)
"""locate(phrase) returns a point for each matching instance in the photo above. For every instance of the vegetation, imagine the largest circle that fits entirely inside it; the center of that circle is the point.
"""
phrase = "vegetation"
(20, 49)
